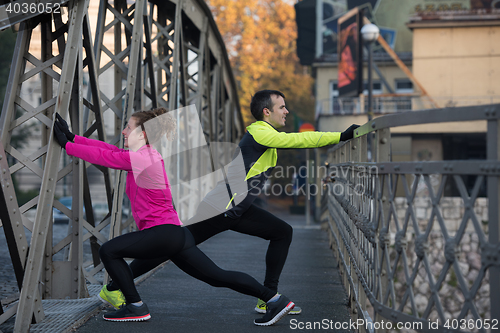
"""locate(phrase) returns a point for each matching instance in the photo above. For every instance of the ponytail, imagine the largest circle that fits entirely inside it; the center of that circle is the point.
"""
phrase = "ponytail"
(163, 124)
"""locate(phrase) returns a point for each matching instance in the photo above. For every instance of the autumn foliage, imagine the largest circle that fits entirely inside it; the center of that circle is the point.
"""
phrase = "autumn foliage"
(260, 39)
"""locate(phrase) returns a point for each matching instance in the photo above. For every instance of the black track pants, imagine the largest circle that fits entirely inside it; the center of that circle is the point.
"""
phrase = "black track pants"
(254, 222)
(178, 244)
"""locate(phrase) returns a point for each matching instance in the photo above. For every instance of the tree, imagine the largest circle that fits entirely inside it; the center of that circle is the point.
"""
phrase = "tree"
(260, 39)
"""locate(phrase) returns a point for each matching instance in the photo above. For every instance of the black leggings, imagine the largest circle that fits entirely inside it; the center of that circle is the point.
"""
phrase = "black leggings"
(255, 222)
(177, 244)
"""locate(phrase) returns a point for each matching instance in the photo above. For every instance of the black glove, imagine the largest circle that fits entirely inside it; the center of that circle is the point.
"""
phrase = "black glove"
(348, 134)
(59, 135)
(64, 127)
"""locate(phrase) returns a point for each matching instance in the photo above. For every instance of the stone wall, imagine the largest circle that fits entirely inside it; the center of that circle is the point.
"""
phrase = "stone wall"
(467, 252)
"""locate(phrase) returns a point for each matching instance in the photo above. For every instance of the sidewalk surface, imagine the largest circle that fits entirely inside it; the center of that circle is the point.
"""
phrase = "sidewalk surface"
(180, 303)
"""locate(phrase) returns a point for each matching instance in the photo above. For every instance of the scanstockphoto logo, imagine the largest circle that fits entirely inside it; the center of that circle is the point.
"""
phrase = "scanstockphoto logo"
(206, 179)
(13, 12)
(209, 178)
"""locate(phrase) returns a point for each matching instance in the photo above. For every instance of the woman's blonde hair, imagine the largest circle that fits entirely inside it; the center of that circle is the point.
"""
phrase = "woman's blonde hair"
(164, 125)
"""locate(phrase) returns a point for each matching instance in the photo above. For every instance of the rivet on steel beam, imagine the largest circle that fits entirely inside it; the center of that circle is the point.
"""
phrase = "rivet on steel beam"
(48, 191)
(7, 184)
(47, 268)
(29, 297)
(354, 147)
(13, 211)
(75, 279)
(4, 171)
(76, 290)
(1, 157)
(487, 112)
(357, 132)
(76, 162)
(76, 268)
(373, 125)
(383, 140)
(20, 236)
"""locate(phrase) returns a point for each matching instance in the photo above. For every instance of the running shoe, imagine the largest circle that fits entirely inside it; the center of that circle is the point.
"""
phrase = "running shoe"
(261, 307)
(114, 298)
(275, 311)
(129, 312)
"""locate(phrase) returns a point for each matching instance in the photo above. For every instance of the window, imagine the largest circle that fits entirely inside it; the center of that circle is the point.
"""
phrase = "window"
(377, 88)
(403, 86)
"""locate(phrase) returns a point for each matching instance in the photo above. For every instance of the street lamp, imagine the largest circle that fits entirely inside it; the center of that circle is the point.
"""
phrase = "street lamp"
(370, 33)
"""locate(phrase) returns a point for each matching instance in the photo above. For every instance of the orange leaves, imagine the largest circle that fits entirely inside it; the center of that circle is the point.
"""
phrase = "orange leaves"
(260, 39)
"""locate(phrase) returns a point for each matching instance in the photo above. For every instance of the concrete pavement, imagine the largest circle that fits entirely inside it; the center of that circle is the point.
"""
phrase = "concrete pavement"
(180, 303)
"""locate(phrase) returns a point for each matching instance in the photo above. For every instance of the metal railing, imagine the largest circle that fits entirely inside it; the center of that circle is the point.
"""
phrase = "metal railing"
(408, 268)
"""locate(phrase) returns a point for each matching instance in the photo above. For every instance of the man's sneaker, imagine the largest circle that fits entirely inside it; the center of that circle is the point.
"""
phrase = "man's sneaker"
(129, 312)
(261, 307)
(114, 298)
(275, 311)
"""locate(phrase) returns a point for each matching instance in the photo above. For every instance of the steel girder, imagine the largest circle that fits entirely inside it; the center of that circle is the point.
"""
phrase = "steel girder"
(167, 54)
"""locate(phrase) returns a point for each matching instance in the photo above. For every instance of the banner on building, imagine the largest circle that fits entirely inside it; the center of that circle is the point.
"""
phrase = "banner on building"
(350, 70)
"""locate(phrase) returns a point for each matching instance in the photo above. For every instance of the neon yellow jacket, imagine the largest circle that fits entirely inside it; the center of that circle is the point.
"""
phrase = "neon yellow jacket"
(258, 148)
(262, 139)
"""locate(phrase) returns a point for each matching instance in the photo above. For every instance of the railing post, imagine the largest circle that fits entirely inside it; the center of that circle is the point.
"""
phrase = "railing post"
(493, 153)
(383, 154)
(353, 199)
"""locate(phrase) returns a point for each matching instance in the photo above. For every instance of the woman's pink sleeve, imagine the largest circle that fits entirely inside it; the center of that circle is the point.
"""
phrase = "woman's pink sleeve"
(117, 159)
(95, 143)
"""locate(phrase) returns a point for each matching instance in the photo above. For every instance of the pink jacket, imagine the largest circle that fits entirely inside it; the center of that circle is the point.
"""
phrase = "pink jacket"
(147, 184)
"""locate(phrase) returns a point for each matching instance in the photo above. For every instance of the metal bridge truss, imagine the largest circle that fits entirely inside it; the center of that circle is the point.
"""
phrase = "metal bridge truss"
(378, 249)
(161, 53)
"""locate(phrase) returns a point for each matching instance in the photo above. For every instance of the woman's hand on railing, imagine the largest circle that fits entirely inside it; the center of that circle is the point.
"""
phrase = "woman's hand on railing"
(348, 134)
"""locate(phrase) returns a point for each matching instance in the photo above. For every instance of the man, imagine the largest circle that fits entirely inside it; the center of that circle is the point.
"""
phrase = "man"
(258, 149)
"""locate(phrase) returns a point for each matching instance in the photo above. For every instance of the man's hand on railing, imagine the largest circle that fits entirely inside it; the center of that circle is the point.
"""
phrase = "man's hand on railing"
(348, 134)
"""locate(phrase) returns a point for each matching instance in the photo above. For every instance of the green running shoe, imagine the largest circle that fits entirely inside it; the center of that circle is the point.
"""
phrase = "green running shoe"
(113, 298)
(261, 307)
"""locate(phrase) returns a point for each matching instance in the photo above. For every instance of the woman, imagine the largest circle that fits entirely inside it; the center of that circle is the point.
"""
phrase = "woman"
(160, 233)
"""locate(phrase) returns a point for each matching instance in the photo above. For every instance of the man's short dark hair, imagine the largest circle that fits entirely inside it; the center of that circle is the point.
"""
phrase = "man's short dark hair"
(261, 100)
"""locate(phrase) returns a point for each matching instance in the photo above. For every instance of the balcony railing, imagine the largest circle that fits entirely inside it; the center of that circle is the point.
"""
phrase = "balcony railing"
(383, 104)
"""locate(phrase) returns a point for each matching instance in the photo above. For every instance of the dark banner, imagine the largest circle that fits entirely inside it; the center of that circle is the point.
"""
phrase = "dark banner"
(350, 75)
